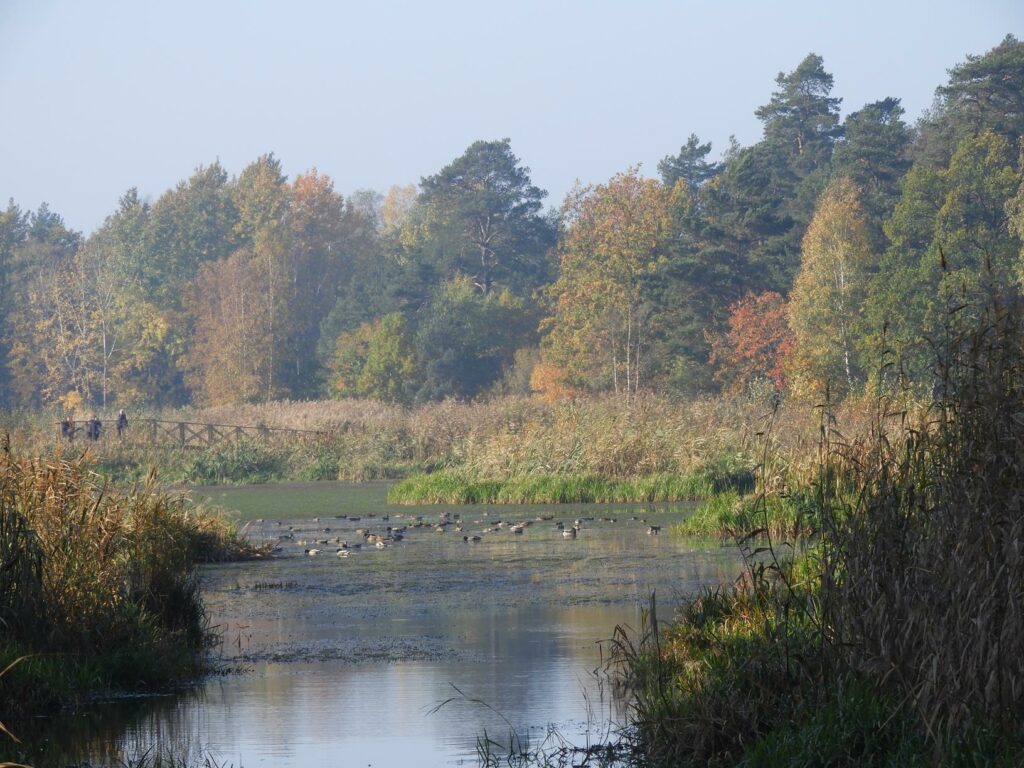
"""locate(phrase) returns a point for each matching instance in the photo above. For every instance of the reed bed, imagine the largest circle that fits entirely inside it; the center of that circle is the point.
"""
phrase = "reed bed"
(98, 586)
(894, 636)
(503, 438)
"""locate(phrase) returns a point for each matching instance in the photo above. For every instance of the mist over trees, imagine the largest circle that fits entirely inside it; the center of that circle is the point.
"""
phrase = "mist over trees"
(793, 263)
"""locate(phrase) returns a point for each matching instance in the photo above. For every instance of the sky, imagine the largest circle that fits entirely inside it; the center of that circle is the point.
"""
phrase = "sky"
(103, 96)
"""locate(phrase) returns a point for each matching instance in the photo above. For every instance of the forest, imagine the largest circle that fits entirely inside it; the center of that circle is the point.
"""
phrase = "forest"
(823, 256)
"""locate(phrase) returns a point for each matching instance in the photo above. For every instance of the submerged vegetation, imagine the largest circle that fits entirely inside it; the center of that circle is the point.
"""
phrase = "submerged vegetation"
(98, 586)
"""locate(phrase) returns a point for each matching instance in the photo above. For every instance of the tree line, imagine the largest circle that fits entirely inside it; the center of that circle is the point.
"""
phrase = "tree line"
(796, 263)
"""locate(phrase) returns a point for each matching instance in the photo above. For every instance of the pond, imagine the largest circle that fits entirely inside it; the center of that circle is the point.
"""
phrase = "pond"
(349, 660)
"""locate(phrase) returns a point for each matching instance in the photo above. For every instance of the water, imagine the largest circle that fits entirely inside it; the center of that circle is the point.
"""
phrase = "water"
(348, 661)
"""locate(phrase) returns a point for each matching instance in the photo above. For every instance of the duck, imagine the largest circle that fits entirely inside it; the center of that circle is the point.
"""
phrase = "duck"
(380, 545)
(653, 530)
(471, 538)
(342, 553)
(313, 552)
(569, 533)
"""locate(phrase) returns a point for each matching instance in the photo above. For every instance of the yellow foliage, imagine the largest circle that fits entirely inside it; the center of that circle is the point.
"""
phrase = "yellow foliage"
(71, 402)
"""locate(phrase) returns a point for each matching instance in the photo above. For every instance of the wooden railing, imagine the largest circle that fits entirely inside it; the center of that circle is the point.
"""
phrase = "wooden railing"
(184, 434)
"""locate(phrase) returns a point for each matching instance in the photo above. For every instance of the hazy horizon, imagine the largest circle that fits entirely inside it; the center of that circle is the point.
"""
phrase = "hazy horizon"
(118, 96)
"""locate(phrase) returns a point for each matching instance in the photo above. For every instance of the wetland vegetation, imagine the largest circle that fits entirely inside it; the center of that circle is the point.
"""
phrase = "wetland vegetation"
(98, 585)
(818, 339)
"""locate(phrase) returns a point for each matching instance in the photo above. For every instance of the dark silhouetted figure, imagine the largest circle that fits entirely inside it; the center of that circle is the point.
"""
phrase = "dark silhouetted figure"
(67, 428)
(122, 422)
(93, 427)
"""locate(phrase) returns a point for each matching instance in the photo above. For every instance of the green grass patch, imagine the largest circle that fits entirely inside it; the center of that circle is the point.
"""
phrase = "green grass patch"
(457, 487)
(730, 514)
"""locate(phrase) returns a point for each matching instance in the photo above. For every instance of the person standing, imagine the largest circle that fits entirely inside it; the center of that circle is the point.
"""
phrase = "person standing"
(122, 422)
(93, 428)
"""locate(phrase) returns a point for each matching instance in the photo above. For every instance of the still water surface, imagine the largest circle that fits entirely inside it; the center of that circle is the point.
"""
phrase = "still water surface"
(345, 661)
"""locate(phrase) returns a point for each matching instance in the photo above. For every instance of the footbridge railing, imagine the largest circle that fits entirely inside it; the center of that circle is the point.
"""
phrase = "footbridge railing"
(183, 434)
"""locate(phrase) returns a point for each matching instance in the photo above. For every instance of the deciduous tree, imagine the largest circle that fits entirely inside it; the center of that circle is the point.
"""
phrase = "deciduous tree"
(616, 234)
(826, 304)
(756, 344)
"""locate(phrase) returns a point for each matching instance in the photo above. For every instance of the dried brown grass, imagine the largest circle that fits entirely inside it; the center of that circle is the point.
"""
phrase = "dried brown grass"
(925, 573)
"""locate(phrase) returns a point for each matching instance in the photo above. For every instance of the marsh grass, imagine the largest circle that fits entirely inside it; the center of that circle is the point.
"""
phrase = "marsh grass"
(97, 585)
(894, 636)
(456, 487)
(498, 439)
(732, 515)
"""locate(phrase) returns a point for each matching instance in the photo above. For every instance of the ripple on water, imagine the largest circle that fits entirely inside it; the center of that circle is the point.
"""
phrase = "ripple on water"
(350, 656)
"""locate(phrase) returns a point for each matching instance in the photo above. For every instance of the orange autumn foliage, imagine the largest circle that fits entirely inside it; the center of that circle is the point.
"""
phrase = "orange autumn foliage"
(547, 382)
(756, 343)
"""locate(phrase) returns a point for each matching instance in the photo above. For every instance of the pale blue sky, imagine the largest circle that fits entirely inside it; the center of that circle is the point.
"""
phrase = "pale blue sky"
(102, 96)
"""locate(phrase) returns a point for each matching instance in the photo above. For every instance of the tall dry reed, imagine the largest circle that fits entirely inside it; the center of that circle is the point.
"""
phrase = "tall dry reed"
(97, 577)
(927, 568)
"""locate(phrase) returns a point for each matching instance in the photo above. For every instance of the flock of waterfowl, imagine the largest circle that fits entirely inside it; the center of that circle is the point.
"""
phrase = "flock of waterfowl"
(389, 533)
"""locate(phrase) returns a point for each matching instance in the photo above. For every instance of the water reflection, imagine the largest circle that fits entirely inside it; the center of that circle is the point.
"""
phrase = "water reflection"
(344, 660)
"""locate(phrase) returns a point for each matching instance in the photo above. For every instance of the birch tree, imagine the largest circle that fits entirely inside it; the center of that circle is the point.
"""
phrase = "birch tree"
(828, 297)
